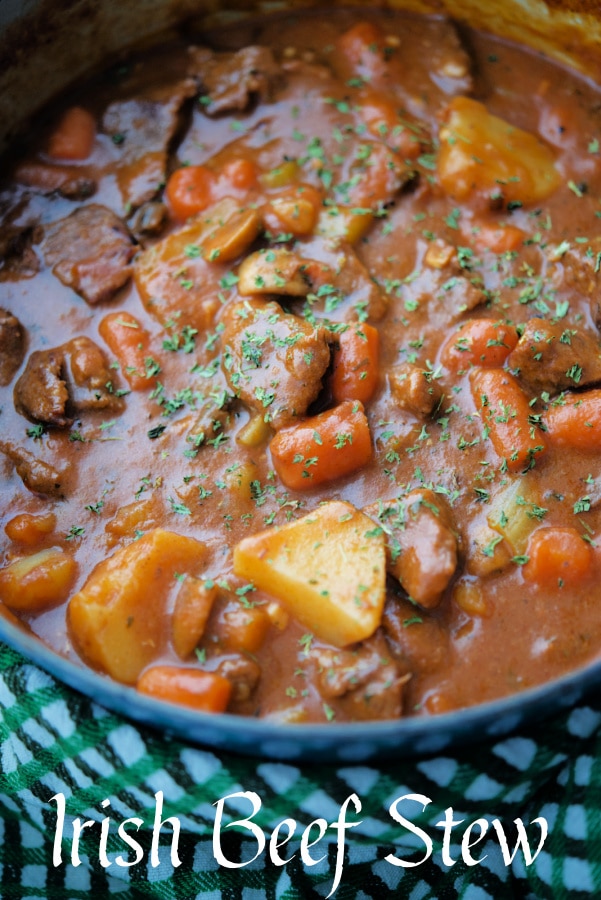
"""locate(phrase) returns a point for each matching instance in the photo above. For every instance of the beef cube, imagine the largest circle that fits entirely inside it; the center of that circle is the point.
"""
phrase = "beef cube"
(422, 546)
(143, 127)
(63, 381)
(231, 81)
(449, 64)
(12, 345)
(274, 361)
(414, 390)
(420, 642)
(459, 294)
(90, 251)
(552, 356)
(17, 256)
(243, 672)
(364, 680)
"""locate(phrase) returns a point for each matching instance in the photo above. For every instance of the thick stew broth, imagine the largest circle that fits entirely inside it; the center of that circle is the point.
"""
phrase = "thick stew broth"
(300, 364)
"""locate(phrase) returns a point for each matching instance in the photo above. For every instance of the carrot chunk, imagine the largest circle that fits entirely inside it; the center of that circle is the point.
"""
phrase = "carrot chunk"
(205, 691)
(381, 116)
(242, 174)
(361, 52)
(355, 374)
(505, 413)
(130, 344)
(499, 238)
(190, 190)
(557, 556)
(479, 342)
(73, 137)
(574, 421)
(323, 447)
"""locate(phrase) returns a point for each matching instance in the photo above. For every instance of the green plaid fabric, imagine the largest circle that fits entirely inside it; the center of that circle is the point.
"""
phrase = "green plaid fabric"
(55, 741)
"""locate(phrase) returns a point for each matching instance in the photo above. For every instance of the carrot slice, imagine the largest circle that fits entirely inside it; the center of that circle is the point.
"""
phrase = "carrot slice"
(73, 137)
(574, 421)
(506, 414)
(355, 374)
(479, 342)
(323, 447)
(130, 344)
(190, 190)
(557, 556)
(361, 52)
(499, 238)
(206, 691)
(242, 174)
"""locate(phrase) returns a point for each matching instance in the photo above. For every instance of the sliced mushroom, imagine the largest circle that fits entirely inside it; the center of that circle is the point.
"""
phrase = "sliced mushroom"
(273, 272)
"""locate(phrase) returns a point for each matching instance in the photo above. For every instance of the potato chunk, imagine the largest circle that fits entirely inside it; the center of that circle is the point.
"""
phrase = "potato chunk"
(328, 569)
(37, 582)
(119, 619)
(481, 153)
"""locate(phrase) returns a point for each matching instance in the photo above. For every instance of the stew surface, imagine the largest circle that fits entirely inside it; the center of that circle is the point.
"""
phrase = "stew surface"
(300, 370)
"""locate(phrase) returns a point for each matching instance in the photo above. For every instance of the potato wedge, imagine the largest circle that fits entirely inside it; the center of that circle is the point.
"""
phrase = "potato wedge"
(119, 619)
(328, 569)
(515, 512)
(481, 152)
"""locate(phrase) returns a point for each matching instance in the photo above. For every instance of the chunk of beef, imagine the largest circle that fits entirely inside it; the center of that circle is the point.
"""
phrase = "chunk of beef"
(578, 269)
(340, 286)
(45, 178)
(143, 128)
(90, 251)
(551, 356)
(459, 294)
(413, 389)
(243, 672)
(422, 545)
(366, 679)
(273, 361)
(12, 345)
(37, 476)
(231, 81)
(449, 64)
(64, 381)
(419, 642)
(17, 256)
(79, 187)
(40, 393)
(212, 418)
(355, 286)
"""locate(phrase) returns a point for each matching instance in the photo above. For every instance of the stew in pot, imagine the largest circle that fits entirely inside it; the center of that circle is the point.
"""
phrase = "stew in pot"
(300, 370)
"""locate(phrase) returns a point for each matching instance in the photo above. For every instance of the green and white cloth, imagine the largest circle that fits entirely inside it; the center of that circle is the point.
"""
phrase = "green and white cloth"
(56, 742)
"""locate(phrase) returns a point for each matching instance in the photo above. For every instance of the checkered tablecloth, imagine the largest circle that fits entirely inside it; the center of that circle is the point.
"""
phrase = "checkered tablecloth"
(56, 742)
